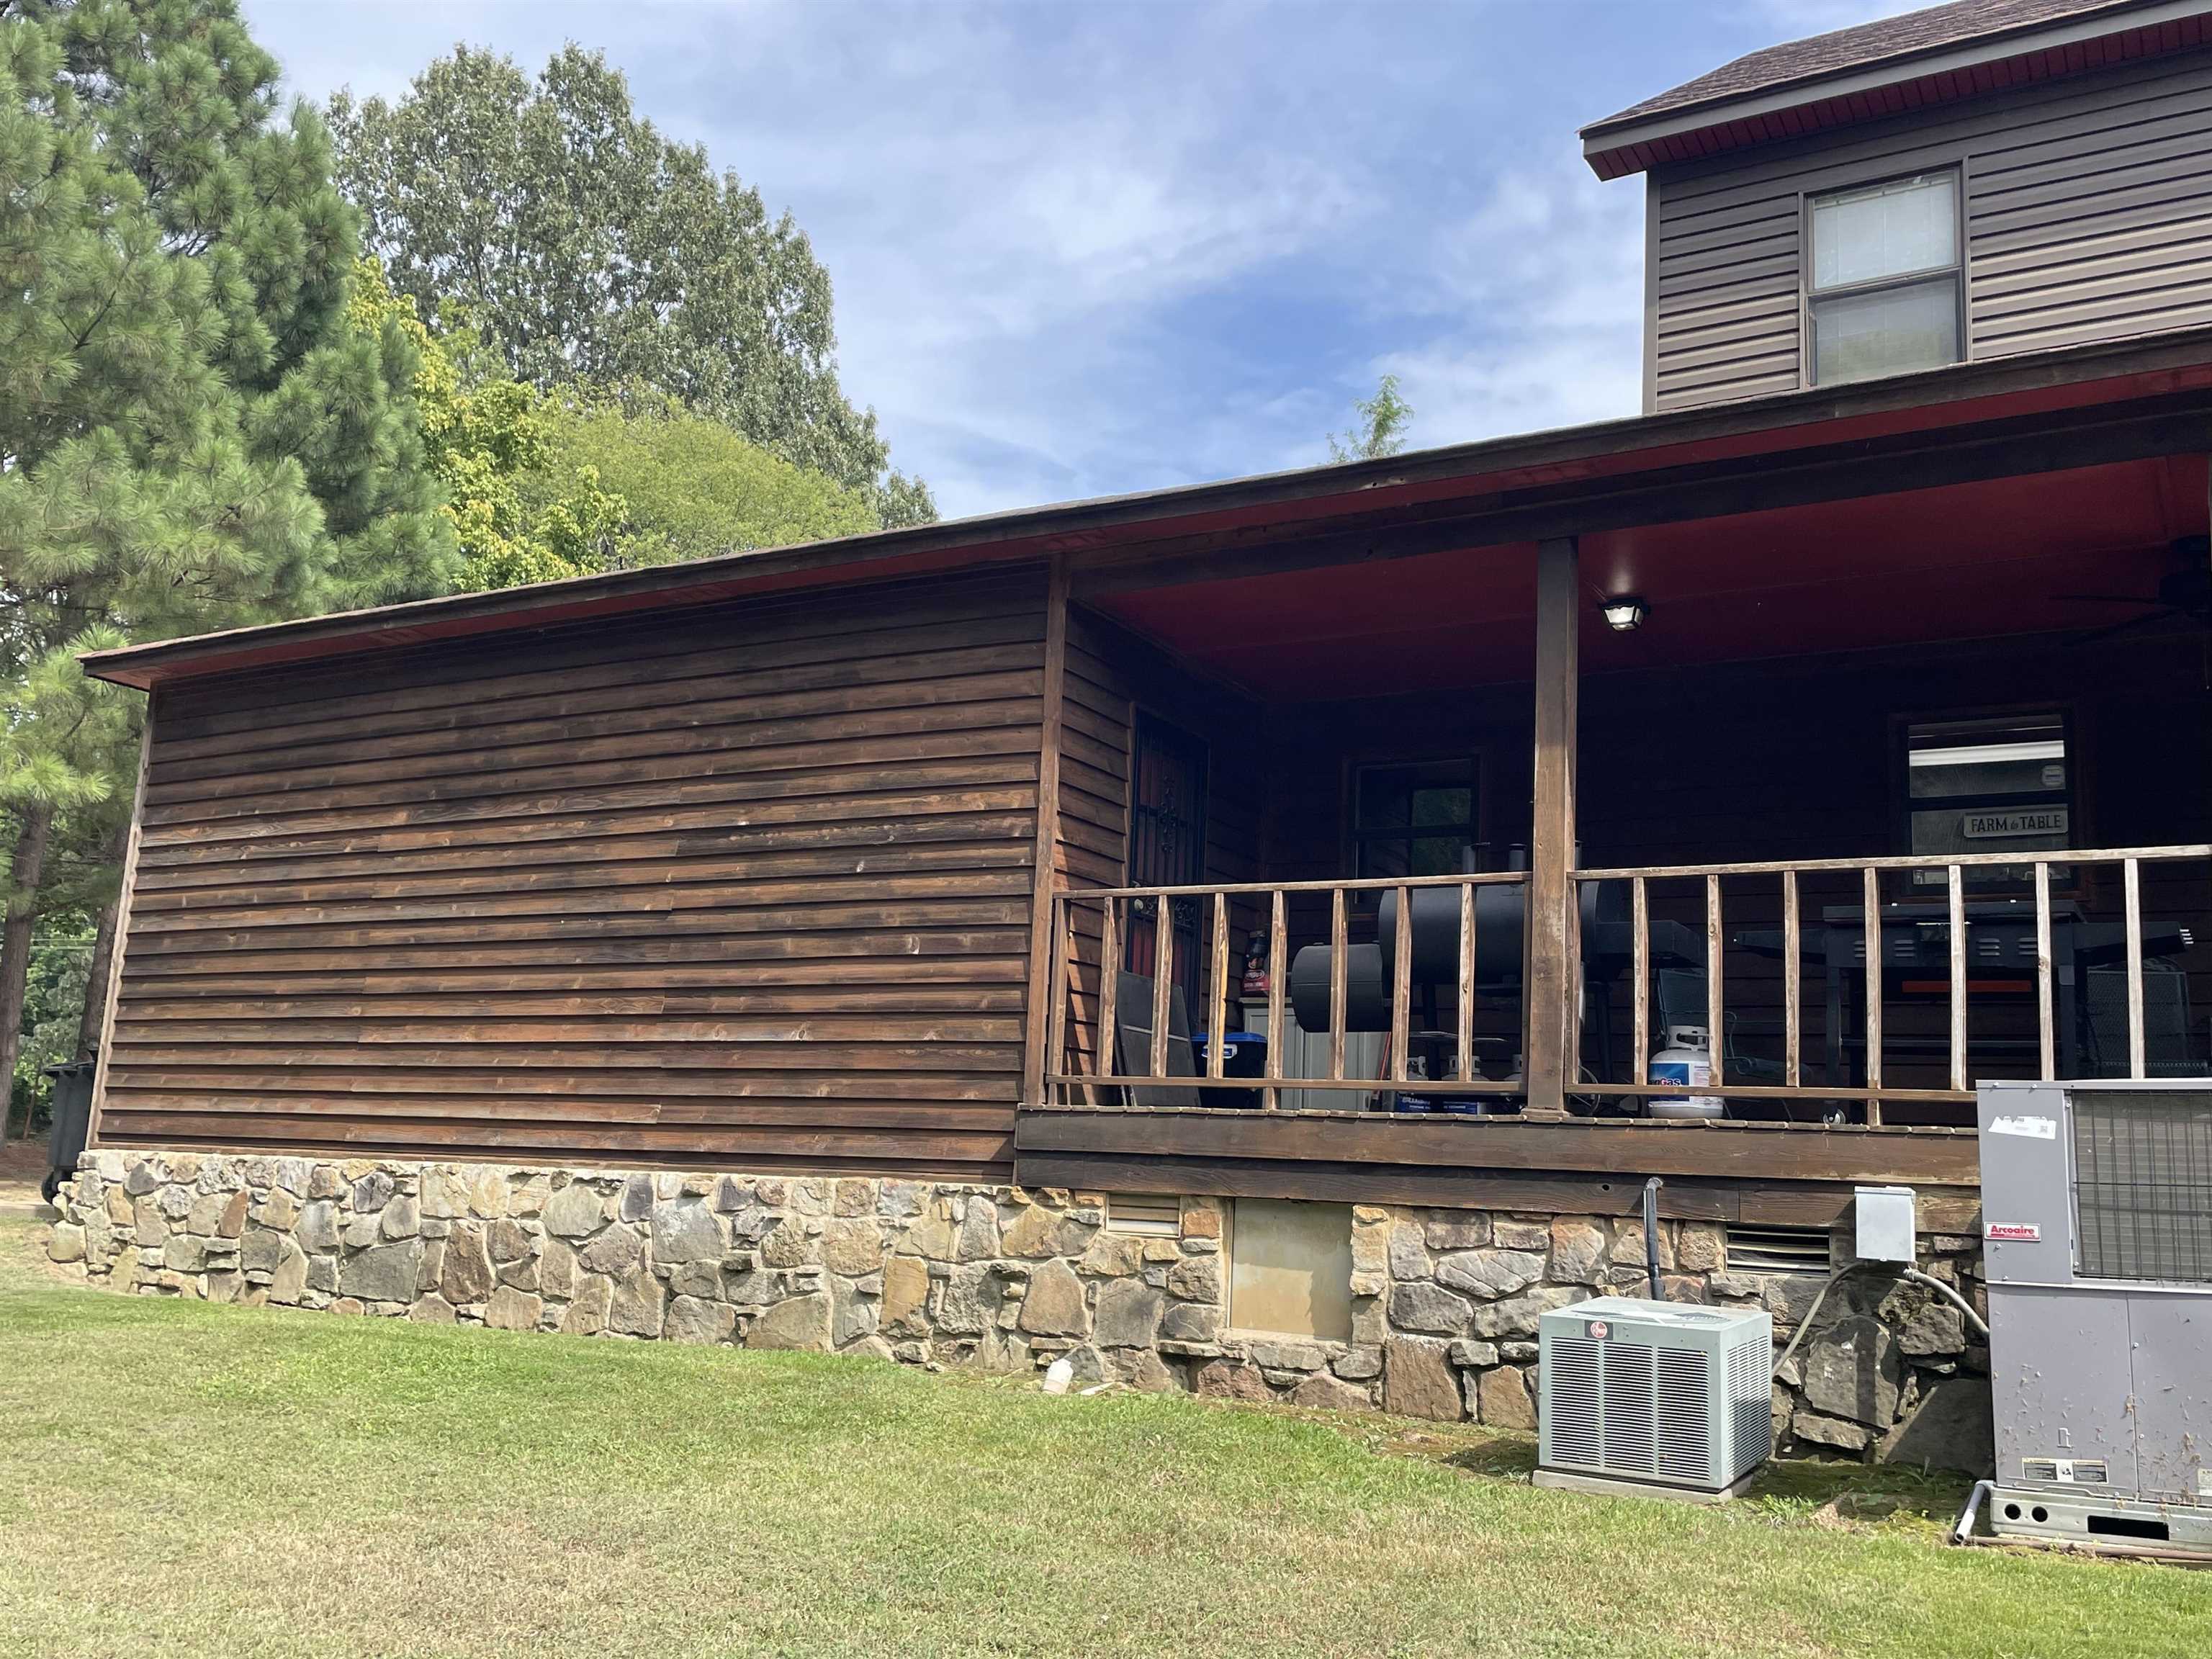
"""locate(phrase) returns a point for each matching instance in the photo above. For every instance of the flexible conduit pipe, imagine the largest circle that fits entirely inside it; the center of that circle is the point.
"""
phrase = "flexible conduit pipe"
(1963, 1305)
(1813, 1313)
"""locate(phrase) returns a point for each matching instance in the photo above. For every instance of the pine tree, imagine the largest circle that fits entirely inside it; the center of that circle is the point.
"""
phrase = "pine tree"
(192, 434)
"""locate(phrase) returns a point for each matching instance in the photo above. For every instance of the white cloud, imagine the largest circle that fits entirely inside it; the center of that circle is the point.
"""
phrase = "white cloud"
(1025, 224)
(1080, 250)
(1534, 301)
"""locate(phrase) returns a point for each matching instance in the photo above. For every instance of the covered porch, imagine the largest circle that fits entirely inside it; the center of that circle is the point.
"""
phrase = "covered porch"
(1899, 782)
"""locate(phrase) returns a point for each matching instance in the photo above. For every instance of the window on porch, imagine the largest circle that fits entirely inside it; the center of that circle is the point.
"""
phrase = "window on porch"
(1988, 784)
(1416, 818)
(1167, 845)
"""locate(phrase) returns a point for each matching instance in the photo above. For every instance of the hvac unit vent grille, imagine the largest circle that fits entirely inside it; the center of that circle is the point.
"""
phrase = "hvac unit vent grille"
(1153, 1215)
(1777, 1249)
(1628, 1408)
(1685, 1447)
(1751, 1426)
(2143, 1186)
(1576, 1363)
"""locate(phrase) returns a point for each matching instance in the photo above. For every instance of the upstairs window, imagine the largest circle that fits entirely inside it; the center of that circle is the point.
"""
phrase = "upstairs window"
(1885, 294)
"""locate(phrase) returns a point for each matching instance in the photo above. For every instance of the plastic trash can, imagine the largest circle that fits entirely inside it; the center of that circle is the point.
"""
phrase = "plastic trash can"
(72, 1114)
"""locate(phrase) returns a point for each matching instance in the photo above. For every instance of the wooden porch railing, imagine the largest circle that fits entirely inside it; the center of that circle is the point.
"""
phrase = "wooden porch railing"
(1957, 927)
(1111, 907)
(1090, 927)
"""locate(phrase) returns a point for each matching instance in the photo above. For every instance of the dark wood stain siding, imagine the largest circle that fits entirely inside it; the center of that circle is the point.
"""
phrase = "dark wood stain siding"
(2088, 216)
(746, 885)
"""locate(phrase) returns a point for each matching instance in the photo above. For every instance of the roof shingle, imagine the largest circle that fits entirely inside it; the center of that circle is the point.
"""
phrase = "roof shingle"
(1862, 47)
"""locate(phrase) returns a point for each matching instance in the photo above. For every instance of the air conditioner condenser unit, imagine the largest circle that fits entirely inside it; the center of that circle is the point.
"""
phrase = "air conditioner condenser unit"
(1656, 1397)
(2097, 1247)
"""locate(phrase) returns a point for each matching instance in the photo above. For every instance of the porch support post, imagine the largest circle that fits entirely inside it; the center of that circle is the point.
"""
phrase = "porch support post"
(1044, 940)
(1549, 945)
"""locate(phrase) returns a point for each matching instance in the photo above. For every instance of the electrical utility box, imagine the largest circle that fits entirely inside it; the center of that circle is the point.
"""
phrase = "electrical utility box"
(2097, 1247)
(1885, 1229)
(1658, 1398)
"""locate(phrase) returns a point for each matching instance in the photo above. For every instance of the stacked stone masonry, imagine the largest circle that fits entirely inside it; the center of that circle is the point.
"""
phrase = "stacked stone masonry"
(1444, 1303)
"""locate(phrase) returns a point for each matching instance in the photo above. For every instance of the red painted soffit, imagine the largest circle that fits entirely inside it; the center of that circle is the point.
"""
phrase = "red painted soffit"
(1588, 455)
(1819, 114)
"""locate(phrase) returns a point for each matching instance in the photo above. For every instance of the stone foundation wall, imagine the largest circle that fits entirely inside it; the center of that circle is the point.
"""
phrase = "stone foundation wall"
(1444, 1303)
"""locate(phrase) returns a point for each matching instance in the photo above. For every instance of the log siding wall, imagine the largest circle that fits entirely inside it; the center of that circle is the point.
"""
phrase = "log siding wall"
(748, 884)
(2088, 217)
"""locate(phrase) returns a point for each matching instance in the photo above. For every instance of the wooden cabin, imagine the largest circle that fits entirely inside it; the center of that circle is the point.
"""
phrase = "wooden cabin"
(1848, 706)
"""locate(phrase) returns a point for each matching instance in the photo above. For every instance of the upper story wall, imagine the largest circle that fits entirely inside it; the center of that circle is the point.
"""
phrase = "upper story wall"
(2087, 209)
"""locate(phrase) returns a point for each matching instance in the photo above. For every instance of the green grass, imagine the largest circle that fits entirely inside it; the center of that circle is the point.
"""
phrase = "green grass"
(197, 1480)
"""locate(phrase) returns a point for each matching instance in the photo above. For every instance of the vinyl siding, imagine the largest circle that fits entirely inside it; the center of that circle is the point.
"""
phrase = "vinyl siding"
(2088, 217)
(742, 885)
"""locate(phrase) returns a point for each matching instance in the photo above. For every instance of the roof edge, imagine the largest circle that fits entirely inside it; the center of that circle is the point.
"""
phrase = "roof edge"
(1037, 533)
(1606, 142)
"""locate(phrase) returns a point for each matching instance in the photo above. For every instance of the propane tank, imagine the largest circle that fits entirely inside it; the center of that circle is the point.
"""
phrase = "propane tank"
(1255, 986)
(1686, 1062)
(1500, 1102)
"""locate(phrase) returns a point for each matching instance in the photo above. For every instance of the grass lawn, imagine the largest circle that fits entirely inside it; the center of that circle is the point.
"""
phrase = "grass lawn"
(193, 1480)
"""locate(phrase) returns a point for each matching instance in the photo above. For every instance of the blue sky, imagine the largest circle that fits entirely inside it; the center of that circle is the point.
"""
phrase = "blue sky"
(1085, 248)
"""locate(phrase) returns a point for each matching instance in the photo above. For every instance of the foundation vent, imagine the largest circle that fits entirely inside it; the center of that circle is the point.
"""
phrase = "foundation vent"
(1754, 1249)
(1151, 1215)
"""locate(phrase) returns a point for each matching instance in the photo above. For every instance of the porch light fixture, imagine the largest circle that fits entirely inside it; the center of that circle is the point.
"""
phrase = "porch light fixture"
(1625, 613)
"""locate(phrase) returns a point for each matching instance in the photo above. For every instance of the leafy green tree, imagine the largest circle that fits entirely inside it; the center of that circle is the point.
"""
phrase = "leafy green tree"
(590, 248)
(61, 957)
(484, 433)
(538, 487)
(192, 434)
(683, 487)
(1384, 419)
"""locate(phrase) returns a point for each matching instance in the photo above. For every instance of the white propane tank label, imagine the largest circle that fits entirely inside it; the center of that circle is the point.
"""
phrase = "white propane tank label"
(1686, 1063)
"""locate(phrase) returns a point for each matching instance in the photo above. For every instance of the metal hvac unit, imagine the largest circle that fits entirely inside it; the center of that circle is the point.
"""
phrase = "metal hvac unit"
(2097, 1245)
(1653, 1396)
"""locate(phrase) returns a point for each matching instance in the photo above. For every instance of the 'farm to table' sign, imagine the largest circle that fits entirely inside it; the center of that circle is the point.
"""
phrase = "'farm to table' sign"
(1999, 826)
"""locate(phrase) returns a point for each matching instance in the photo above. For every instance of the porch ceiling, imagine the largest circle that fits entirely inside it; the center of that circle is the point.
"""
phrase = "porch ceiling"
(1961, 562)
(2089, 405)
